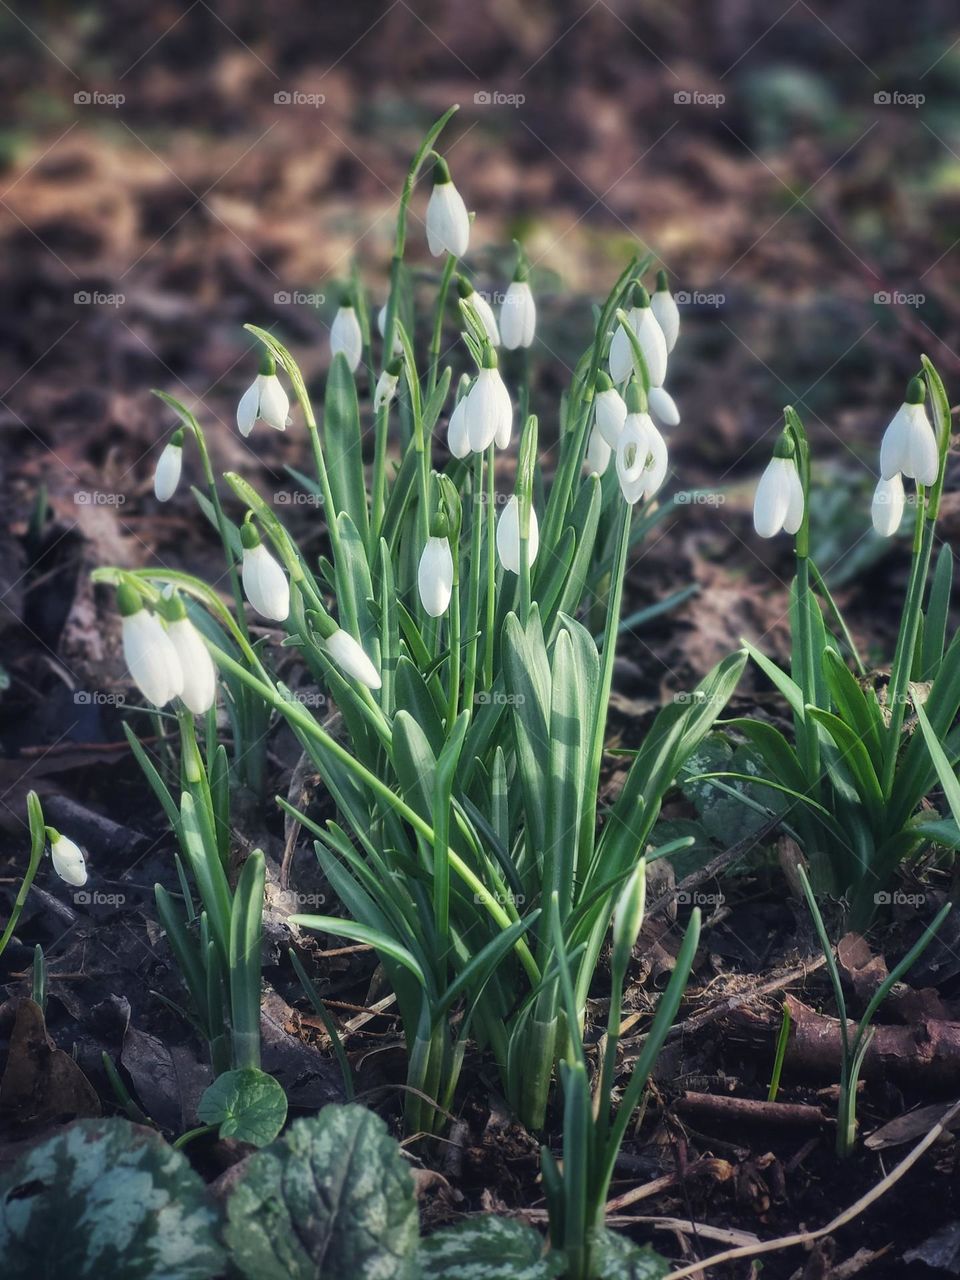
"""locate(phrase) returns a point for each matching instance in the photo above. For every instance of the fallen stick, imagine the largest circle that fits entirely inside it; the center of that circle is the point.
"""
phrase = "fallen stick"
(751, 1110)
(841, 1220)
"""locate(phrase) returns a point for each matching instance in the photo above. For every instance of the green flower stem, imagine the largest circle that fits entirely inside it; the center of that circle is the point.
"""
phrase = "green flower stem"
(473, 590)
(379, 477)
(436, 336)
(453, 640)
(491, 601)
(37, 845)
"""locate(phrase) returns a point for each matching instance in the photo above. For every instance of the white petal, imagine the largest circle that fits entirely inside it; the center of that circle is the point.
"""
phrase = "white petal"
(448, 223)
(922, 454)
(656, 470)
(486, 317)
(151, 658)
(348, 655)
(265, 584)
(664, 307)
(199, 674)
(598, 453)
(621, 356)
(794, 517)
(435, 576)
(508, 536)
(664, 407)
(458, 439)
(386, 389)
(167, 475)
(653, 345)
(274, 402)
(248, 410)
(68, 862)
(489, 412)
(518, 316)
(773, 497)
(893, 446)
(611, 414)
(886, 510)
(382, 326)
(345, 336)
(633, 447)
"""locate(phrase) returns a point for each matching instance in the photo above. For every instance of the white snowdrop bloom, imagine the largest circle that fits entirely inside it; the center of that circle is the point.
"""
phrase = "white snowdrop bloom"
(909, 445)
(483, 309)
(199, 690)
(148, 650)
(665, 310)
(435, 576)
(598, 453)
(348, 654)
(663, 407)
(264, 582)
(518, 313)
(382, 328)
(778, 503)
(386, 387)
(68, 860)
(886, 510)
(448, 223)
(264, 400)
(508, 536)
(458, 439)
(650, 337)
(633, 452)
(345, 336)
(169, 465)
(489, 412)
(610, 410)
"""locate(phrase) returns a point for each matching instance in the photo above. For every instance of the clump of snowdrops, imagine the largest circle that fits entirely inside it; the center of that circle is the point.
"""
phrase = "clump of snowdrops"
(447, 625)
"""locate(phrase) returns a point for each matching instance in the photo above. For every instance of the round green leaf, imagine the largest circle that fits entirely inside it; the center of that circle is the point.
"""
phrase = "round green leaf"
(248, 1105)
(108, 1200)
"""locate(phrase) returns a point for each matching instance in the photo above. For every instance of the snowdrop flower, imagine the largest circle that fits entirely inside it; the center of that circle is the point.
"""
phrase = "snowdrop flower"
(382, 328)
(598, 453)
(641, 451)
(68, 860)
(199, 690)
(518, 312)
(387, 385)
(650, 336)
(483, 309)
(448, 223)
(508, 536)
(909, 445)
(779, 500)
(458, 440)
(489, 412)
(169, 465)
(663, 407)
(264, 583)
(610, 410)
(435, 575)
(348, 654)
(345, 336)
(264, 400)
(886, 511)
(665, 310)
(147, 650)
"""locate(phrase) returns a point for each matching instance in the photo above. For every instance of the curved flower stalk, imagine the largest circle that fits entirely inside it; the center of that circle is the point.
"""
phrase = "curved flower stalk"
(166, 478)
(346, 336)
(518, 311)
(264, 400)
(448, 223)
(38, 841)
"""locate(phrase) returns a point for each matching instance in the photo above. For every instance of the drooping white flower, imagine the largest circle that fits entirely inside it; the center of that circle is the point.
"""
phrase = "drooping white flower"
(633, 454)
(148, 650)
(448, 223)
(264, 583)
(435, 576)
(650, 337)
(518, 313)
(886, 510)
(909, 445)
(484, 312)
(458, 439)
(348, 654)
(68, 860)
(665, 309)
(598, 453)
(199, 690)
(169, 465)
(489, 411)
(778, 503)
(508, 536)
(386, 387)
(264, 400)
(610, 410)
(345, 336)
(663, 407)
(382, 328)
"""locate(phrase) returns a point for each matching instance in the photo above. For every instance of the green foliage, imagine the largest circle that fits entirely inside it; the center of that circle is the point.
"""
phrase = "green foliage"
(488, 1248)
(246, 1104)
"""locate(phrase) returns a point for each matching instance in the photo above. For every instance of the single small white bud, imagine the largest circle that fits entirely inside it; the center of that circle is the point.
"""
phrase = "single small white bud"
(518, 316)
(909, 445)
(345, 335)
(348, 654)
(264, 400)
(667, 313)
(489, 411)
(199, 690)
(264, 582)
(148, 650)
(508, 536)
(448, 223)
(435, 576)
(169, 465)
(778, 503)
(68, 860)
(598, 453)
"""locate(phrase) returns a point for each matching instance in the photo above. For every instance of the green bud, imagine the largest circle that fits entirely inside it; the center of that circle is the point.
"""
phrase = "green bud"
(640, 296)
(177, 438)
(604, 382)
(489, 357)
(464, 287)
(784, 448)
(249, 537)
(916, 391)
(128, 600)
(268, 366)
(662, 285)
(441, 171)
(628, 917)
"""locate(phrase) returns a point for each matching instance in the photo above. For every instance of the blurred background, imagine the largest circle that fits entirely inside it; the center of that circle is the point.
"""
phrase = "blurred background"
(170, 172)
